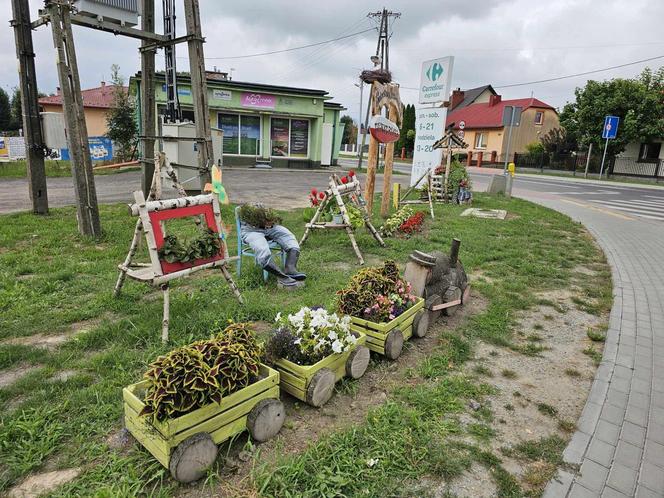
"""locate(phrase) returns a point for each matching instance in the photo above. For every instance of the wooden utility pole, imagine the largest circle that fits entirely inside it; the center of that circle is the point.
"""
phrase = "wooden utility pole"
(77, 134)
(372, 163)
(147, 98)
(30, 107)
(199, 91)
(387, 172)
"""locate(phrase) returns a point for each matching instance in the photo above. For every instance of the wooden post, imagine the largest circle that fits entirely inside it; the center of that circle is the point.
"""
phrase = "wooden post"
(148, 105)
(77, 134)
(34, 143)
(199, 92)
(372, 162)
(448, 163)
(387, 173)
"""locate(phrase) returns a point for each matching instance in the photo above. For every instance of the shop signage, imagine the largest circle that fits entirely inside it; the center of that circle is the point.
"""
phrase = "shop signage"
(259, 100)
(429, 127)
(185, 92)
(101, 149)
(4, 151)
(435, 80)
(383, 130)
(387, 95)
(222, 94)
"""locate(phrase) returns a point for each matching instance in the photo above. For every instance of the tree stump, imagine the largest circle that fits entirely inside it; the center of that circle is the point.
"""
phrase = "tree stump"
(193, 457)
(357, 362)
(321, 387)
(393, 344)
(266, 419)
(421, 323)
(452, 294)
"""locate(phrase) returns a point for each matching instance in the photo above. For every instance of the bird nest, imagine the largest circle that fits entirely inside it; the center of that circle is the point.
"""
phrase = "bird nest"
(379, 75)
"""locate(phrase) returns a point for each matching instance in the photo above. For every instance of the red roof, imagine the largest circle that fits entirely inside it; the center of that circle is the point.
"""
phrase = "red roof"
(101, 97)
(490, 116)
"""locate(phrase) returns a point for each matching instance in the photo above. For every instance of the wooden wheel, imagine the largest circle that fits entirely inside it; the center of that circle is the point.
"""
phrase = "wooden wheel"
(394, 344)
(357, 362)
(452, 294)
(321, 387)
(192, 457)
(421, 323)
(266, 419)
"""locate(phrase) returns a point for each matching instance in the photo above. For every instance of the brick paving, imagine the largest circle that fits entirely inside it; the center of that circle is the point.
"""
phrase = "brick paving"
(618, 447)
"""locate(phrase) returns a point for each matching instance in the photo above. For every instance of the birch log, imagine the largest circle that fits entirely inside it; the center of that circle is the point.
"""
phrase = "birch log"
(387, 173)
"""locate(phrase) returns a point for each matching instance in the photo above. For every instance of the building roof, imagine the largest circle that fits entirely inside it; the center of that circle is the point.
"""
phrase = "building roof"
(486, 115)
(100, 97)
(471, 94)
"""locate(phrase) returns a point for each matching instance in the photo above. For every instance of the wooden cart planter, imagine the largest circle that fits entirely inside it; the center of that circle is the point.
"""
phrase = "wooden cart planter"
(387, 338)
(314, 384)
(187, 445)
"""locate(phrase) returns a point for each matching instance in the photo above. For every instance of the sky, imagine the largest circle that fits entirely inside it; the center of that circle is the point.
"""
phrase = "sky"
(497, 42)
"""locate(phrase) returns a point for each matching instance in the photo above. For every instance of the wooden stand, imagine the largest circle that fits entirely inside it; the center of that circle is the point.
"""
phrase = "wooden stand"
(152, 273)
(337, 191)
(432, 191)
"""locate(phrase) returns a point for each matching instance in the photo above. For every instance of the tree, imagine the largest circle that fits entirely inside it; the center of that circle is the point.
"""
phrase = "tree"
(557, 140)
(407, 125)
(5, 111)
(350, 130)
(639, 102)
(121, 119)
(17, 111)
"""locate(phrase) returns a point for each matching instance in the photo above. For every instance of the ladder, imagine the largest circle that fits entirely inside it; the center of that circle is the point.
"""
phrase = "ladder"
(173, 111)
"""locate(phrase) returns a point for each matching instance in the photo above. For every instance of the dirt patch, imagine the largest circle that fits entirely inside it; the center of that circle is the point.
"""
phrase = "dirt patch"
(8, 377)
(40, 484)
(62, 376)
(44, 341)
(348, 406)
(120, 440)
(475, 482)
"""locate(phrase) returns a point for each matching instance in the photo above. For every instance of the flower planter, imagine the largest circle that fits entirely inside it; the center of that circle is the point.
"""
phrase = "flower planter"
(387, 338)
(187, 444)
(314, 384)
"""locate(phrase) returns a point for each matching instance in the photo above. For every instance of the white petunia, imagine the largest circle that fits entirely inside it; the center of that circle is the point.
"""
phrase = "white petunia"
(332, 335)
(337, 347)
(278, 317)
(297, 341)
(352, 339)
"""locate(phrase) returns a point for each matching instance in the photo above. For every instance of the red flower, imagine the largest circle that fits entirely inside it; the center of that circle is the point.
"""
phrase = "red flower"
(351, 173)
(321, 195)
(344, 180)
(314, 191)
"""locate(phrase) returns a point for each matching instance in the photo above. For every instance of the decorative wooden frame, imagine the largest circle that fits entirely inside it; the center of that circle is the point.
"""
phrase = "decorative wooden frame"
(337, 191)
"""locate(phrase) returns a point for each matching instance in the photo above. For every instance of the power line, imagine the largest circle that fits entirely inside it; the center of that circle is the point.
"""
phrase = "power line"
(261, 54)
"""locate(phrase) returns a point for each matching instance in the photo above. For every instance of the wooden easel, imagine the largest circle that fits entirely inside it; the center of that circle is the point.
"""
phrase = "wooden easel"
(152, 273)
(337, 191)
(431, 191)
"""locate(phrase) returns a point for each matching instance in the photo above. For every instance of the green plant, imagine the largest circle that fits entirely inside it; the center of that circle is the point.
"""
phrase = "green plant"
(458, 174)
(355, 216)
(535, 148)
(206, 245)
(259, 216)
(392, 224)
(121, 118)
(596, 335)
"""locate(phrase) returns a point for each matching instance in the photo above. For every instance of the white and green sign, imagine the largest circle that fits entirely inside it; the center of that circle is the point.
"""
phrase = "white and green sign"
(435, 80)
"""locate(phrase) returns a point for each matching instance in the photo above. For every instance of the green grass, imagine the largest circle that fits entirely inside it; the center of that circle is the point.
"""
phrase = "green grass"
(547, 409)
(54, 169)
(594, 355)
(53, 281)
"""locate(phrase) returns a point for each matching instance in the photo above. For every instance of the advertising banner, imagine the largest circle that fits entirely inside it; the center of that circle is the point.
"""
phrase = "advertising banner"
(258, 100)
(4, 151)
(101, 149)
(299, 137)
(429, 127)
(435, 80)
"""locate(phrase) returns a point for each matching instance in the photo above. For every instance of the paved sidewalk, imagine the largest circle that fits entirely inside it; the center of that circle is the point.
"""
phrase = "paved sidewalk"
(619, 443)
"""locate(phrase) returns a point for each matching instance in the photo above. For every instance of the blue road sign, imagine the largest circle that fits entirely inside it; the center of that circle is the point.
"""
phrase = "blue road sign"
(610, 129)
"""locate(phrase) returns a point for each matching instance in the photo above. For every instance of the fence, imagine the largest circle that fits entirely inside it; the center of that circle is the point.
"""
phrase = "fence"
(631, 166)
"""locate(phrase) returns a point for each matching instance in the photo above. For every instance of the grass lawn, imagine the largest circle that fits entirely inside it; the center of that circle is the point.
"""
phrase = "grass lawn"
(54, 282)
(18, 169)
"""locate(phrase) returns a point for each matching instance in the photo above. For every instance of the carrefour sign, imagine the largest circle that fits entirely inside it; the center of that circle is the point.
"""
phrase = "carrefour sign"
(435, 80)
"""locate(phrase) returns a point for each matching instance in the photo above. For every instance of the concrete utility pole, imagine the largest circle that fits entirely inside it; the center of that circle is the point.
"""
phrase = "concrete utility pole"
(30, 106)
(77, 135)
(148, 104)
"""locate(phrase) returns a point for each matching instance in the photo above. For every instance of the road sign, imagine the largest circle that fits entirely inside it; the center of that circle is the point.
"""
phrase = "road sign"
(383, 130)
(429, 127)
(462, 125)
(511, 115)
(610, 129)
(435, 80)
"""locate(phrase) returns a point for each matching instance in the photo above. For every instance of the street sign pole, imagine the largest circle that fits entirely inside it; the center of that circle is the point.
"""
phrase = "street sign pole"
(509, 140)
(609, 131)
(601, 169)
(590, 151)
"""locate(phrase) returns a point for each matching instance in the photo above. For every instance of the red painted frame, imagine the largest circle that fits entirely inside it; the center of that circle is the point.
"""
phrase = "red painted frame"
(157, 216)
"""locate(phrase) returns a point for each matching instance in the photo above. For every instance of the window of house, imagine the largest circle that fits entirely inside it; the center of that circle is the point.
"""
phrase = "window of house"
(539, 117)
(241, 133)
(289, 137)
(480, 140)
(649, 151)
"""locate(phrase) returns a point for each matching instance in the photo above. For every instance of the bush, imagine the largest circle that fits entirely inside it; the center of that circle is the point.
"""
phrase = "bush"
(535, 148)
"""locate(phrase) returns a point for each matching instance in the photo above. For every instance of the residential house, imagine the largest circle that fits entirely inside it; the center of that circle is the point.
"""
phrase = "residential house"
(485, 133)
(463, 98)
(96, 104)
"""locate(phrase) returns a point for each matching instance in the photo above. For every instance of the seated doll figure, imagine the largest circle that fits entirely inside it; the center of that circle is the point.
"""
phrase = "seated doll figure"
(261, 225)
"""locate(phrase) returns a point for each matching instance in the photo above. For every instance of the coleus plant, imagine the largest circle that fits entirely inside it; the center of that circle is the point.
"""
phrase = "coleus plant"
(205, 246)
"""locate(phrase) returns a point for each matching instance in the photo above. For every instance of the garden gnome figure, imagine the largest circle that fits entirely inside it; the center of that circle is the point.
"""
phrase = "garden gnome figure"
(260, 226)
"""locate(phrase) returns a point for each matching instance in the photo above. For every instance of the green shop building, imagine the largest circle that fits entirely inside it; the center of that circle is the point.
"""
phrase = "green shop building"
(284, 126)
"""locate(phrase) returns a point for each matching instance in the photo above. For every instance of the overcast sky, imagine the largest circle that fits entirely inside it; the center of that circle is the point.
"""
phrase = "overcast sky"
(498, 42)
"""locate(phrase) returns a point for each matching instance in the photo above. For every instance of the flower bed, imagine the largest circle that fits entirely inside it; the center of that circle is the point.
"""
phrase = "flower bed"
(312, 350)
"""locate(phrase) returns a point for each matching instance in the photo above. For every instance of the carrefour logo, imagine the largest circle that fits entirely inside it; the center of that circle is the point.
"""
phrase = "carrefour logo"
(435, 71)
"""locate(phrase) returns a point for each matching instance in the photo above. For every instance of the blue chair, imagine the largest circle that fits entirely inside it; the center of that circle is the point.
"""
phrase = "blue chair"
(244, 249)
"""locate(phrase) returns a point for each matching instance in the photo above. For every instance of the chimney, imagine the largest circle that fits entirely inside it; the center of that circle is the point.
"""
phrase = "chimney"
(494, 99)
(456, 98)
(58, 91)
(103, 84)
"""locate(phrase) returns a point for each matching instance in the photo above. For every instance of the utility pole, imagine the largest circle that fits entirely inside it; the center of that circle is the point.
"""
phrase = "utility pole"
(30, 106)
(147, 99)
(360, 85)
(87, 210)
(590, 151)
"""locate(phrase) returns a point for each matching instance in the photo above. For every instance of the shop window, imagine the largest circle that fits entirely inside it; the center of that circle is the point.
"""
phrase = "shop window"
(480, 140)
(649, 151)
(289, 137)
(539, 117)
(241, 133)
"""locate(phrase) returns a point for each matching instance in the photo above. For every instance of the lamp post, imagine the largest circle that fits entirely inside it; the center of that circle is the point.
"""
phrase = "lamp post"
(360, 85)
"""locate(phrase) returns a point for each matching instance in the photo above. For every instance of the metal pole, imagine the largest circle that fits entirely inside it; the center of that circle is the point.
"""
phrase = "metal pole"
(147, 98)
(509, 139)
(590, 150)
(364, 135)
(359, 118)
(601, 170)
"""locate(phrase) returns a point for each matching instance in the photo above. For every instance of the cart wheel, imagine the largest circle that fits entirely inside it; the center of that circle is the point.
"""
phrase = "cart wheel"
(421, 323)
(394, 344)
(357, 362)
(193, 457)
(321, 387)
(452, 294)
(266, 419)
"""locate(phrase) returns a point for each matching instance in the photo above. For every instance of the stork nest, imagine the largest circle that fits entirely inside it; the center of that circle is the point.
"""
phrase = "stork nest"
(379, 75)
